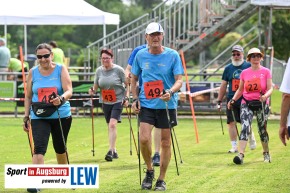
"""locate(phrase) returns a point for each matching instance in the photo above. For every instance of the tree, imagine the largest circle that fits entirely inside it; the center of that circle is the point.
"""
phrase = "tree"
(148, 4)
(280, 34)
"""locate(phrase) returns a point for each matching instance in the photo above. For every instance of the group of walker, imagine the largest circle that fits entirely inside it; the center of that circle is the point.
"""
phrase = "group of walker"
(159, 72)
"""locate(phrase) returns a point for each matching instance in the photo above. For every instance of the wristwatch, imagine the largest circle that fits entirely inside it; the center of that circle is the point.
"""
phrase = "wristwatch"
(61, 98)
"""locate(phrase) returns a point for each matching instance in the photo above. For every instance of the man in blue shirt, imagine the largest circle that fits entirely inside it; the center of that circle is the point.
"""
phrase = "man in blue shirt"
(157, 132)
(161, 69)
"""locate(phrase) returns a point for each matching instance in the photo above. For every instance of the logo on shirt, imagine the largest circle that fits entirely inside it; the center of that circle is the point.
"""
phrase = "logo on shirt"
(53, 78)
(146, 66)
(237, 73)
(40, 111)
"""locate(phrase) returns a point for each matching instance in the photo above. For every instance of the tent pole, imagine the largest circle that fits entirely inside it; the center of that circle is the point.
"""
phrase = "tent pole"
(25, 42)
(5, 34)
(104, 34)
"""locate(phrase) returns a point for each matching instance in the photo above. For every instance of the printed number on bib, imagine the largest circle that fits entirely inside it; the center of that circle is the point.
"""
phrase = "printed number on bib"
(109, 96)
(45, 93)
(235, 84)
(153, 89)
(253, 85)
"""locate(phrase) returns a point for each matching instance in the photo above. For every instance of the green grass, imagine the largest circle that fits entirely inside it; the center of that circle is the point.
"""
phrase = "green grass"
(207, 167)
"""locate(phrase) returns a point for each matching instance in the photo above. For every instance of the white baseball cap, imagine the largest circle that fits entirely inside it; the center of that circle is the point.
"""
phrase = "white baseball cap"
(153, 27)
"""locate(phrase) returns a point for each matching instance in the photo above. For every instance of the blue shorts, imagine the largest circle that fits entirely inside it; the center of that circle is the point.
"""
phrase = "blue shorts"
(158, 117)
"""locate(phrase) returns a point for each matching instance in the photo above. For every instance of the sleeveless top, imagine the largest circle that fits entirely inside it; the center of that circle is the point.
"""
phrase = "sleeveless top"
(51, 81)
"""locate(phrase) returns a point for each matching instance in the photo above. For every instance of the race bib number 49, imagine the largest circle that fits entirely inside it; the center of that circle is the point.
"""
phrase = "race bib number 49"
(153, 89)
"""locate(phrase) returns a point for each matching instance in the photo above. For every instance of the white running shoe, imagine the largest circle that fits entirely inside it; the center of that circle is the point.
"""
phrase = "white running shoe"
(252, 141)
(233, 150)
(267, 157)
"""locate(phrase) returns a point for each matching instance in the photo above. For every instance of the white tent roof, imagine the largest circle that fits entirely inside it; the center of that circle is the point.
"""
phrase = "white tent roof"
(54, 12)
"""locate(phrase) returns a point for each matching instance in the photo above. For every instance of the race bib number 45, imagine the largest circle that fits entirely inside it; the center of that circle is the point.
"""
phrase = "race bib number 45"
(153, 89)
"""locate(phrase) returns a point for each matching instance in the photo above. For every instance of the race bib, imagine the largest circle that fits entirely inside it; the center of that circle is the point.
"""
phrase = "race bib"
(109, 96)
(253, 85)
(153, 89)
(45, 93)
(235, 84)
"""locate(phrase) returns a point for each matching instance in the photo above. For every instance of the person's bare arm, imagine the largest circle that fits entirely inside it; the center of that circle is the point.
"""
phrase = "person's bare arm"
(27, 101)
(222, 92)
(285, 108)
(175, 88)
(66, 84)
(237, 95)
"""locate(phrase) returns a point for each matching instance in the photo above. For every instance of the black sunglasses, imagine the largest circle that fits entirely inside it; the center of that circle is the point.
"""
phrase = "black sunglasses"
(236, 54)
(256, 56)
(44, 56)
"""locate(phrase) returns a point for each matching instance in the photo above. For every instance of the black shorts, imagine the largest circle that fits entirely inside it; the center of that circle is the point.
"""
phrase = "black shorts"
(113, 111)
(41, 129)
(237, 113)
(158, 117)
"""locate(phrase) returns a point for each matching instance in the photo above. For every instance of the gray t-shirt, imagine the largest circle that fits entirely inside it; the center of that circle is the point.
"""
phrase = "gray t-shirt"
(113, 79)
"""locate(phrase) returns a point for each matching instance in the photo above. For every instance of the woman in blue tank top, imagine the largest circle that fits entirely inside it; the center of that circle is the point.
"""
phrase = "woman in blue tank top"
(48, 83)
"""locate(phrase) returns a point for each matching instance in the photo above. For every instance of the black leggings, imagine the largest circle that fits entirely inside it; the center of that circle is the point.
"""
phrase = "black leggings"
(41, 129)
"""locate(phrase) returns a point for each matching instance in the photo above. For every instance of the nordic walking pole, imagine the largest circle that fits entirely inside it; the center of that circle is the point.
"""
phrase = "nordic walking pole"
(233, 114)
(29, 134)
(131, 131)
(138, 127)
(220, 113)
(93, 127)
(177, 145)
(172, 141)
(61, 130)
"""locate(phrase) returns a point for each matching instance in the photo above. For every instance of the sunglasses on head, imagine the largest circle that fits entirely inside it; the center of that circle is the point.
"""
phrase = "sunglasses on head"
(44, 56)
(256, 56)
(236, 54)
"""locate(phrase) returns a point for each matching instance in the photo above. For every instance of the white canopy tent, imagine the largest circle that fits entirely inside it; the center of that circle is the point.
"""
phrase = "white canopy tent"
(53, 12)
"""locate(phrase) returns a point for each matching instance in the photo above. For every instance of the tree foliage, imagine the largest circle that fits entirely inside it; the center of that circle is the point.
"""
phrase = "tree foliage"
(78, 37)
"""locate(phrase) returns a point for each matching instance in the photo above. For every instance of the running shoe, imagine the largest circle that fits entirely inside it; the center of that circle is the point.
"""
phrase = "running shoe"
(156, 159)
(160, 185)
(109, 156)
(267, 157)
(147, 182)
(239, 159)
(33, 190)
(252, 140)
(233, 150)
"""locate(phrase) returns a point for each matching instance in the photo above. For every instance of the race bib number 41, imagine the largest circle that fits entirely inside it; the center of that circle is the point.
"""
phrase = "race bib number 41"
(153, 89)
